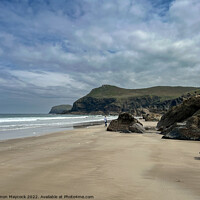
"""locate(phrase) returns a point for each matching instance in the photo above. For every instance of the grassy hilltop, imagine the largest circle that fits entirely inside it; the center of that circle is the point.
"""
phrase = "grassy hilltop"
(109, 99)
(166, 92)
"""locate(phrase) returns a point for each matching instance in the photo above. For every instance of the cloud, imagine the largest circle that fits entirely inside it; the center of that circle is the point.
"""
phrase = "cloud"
(51, 49)
(184, 16)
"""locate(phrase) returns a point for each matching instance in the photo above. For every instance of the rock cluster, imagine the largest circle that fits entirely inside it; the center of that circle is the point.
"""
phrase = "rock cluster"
(126, 123)
(183, 121)
(151, 117)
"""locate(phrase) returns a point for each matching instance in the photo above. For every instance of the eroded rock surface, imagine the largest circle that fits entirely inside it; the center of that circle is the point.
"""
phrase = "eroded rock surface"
(183, 121)
(126, 123)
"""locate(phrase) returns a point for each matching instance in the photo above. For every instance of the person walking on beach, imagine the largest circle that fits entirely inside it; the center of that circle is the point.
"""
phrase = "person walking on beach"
(105, 120)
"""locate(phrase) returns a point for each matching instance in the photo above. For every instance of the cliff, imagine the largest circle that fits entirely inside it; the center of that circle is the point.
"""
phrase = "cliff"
(109, 99)
(60, 109)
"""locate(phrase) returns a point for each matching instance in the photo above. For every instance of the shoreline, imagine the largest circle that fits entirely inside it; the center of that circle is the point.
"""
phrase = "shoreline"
(20, 126)
(106, 165)
(69, 128)
(65, 128)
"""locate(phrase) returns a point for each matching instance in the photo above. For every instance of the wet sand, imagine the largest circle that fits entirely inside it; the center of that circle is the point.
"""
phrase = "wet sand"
(107, 165)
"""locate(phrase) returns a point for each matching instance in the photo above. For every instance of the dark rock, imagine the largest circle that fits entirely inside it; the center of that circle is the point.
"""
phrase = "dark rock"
(194, 121)
(152, 117)
(90, 105)
(183, 121)
(179, 113)
(137, 128)
(183, 133)
(126, 123)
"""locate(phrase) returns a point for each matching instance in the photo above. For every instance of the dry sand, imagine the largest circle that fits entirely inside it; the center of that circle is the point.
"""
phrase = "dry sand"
(106, 165)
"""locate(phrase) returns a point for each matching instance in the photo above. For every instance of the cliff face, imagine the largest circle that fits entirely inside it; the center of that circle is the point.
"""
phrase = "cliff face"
(113, 100)
(92, 105)
(60, 109)
(134, 105)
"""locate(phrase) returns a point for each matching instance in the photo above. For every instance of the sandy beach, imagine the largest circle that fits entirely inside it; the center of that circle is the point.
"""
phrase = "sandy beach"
(106, 165)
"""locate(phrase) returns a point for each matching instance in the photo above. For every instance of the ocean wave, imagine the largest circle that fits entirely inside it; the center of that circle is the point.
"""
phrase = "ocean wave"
(32, 119)
(9, 127)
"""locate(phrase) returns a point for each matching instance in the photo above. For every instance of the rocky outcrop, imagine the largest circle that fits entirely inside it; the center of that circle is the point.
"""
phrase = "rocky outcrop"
(60, 109)
(114, 100)
(126, 123)
(135, 105)
(183, 121)
(90, 105)
(163, 106)
(179, 113)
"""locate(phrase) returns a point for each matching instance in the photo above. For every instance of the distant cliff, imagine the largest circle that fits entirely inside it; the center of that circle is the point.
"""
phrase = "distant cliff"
(109, 99)
(60, 109)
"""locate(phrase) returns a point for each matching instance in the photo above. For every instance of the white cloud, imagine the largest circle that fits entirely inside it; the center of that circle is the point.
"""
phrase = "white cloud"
(184, 15)
(47, 79)
(78, 45)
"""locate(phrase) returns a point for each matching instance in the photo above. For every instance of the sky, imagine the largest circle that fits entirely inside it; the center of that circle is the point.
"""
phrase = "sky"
(54, 52)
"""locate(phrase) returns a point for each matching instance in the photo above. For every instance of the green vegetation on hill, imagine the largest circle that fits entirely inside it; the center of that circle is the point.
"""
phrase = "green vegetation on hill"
(166, 92)
(109, 99)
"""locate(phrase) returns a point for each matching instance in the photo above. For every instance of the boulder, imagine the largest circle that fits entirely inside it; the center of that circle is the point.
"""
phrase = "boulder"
(152, 117)
(137, 128)
(182, 122)
(190, 130)
(179, 113)
(126, 123)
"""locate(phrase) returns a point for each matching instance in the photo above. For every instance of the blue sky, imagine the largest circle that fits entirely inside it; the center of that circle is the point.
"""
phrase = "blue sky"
(54, 52)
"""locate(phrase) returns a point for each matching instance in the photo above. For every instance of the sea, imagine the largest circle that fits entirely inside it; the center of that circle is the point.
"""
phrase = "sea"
(27, 125)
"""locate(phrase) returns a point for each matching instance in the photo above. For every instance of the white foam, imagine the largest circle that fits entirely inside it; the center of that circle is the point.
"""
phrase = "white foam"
(47, 123)
(31, 119)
